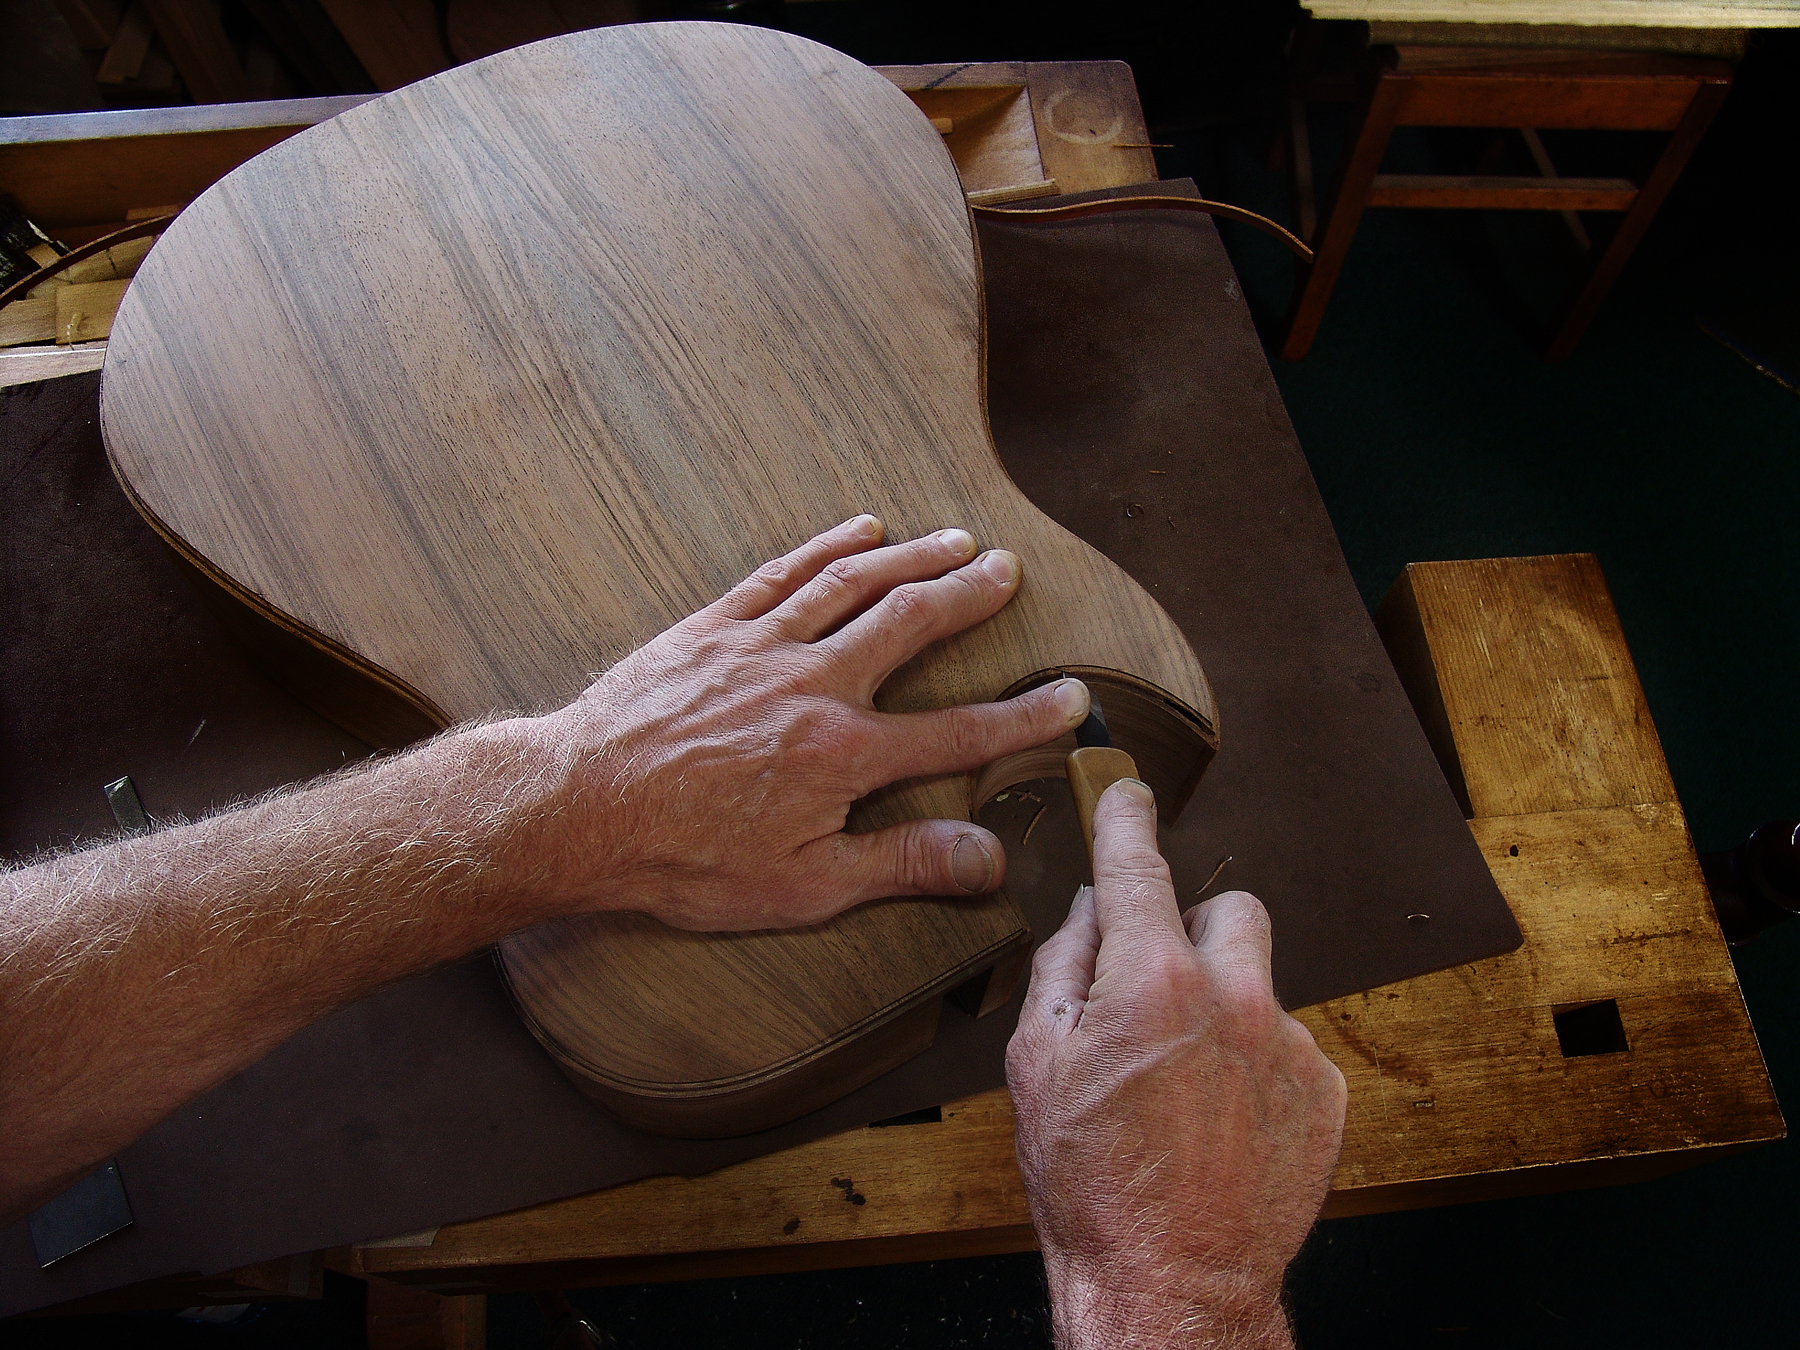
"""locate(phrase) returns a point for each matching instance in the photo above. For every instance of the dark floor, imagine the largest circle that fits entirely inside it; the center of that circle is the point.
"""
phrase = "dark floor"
(1435, 432)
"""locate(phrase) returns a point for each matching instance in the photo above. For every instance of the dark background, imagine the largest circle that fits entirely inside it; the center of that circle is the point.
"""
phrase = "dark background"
(1434, 432)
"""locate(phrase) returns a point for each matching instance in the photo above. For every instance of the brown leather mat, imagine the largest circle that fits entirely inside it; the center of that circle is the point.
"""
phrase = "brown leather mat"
(1118, 346)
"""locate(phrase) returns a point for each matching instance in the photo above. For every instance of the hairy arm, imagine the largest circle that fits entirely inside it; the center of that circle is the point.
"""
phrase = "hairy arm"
(705, 779)
(1176, 1129)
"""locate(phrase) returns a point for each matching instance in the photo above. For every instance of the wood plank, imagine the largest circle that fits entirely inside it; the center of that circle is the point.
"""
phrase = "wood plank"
(1459, 1088)
(32, 320)
(1565, 99)
(1462, 1072)
(85, 313)
(1502, 193)
(27, 365)
(1579, 735)
(1592, 13)
(1726, 44)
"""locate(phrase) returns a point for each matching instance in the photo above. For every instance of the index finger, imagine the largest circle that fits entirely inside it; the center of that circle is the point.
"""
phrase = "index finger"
(1133, 894)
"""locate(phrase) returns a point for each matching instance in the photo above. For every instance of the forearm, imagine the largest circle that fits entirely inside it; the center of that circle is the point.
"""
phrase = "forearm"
(142, 973)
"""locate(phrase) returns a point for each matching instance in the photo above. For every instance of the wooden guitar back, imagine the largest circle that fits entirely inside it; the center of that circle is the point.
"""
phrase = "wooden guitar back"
(479, 386)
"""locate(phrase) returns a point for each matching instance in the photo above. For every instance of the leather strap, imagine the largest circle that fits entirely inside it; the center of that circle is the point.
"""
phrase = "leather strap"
(1295, 244)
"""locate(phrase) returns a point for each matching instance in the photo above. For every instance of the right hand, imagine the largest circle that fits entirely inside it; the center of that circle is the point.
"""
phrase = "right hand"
(1176, 1129)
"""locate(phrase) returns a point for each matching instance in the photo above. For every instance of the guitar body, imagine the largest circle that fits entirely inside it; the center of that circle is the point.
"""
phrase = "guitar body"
(465, 394)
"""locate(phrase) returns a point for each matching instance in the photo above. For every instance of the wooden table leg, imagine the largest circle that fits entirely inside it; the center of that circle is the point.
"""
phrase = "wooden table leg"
(1581, 307)
(403, 1318)
(1380, 114)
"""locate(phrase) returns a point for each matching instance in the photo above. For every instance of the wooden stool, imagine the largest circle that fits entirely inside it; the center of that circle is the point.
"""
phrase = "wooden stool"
(1438, 86)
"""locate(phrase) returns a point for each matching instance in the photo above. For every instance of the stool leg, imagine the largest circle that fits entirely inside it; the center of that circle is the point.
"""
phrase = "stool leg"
(1581, 307)
(1380, 115)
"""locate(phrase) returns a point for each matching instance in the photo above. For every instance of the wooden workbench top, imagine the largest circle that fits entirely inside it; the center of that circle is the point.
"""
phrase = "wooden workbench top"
(1494, 1079)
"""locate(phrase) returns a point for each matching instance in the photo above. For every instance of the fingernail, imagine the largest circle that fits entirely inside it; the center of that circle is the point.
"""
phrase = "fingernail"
(1138, 790)
(971, 865)
(865, 525)
(957, 541)
(1001, 565)
(1072, 700)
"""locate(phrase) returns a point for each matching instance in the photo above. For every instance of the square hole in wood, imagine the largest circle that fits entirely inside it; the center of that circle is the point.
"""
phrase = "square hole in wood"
(1589, 1028)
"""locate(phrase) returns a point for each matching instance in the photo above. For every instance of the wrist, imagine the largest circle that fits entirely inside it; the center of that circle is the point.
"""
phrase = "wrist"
(559, 833)
(511, 790)
(1147, 1305)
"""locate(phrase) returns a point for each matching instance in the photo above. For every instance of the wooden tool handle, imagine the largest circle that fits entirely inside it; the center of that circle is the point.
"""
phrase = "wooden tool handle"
(1092, 770)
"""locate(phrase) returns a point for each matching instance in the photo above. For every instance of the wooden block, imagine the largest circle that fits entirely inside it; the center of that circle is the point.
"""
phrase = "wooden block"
(88, 169)
(1578, 734)
(1090, 127)
(84, 313)
(28, 321)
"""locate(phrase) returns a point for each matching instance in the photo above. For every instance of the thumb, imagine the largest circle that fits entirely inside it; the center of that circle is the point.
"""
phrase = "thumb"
(916, 857)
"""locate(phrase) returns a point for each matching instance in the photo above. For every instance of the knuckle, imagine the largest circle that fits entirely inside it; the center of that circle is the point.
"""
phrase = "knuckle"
(965, 733)
(1136, 868)
(919, 860)
(910, 606)
(1168, 969)
(840, 578)
(775, 572)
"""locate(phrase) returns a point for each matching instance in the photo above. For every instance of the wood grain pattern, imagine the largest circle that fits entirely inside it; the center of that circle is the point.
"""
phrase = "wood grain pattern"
(1579, 736)
(629, 312)
(1458, 1088)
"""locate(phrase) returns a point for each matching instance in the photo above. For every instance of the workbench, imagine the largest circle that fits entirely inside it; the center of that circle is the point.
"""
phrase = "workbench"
(1613, 1046)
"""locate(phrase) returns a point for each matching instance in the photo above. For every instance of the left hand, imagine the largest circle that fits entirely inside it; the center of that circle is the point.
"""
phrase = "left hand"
(707, 777)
